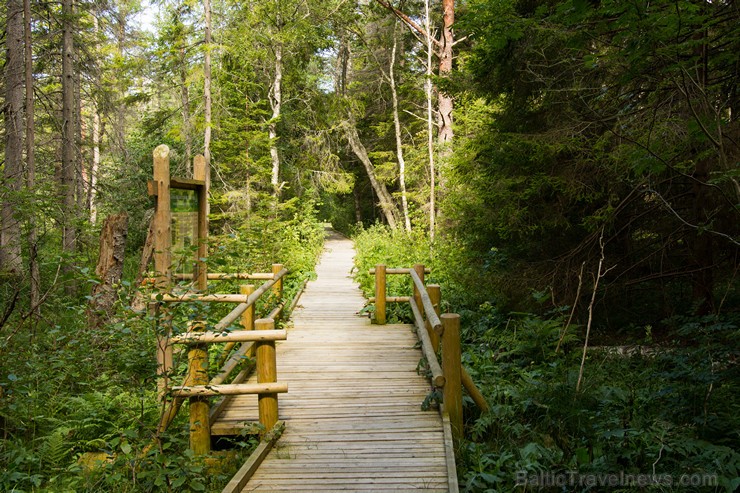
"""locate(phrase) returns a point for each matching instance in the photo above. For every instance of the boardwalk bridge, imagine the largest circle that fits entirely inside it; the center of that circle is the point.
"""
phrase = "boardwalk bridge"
(336, 399)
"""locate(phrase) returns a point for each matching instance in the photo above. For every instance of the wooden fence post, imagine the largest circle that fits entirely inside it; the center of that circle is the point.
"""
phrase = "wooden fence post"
(267, 373)
(451, 367)
(162, 227)
(380, 292)
(419, 268)
(248, 315)
(435, 294)
(277, 288)
(200, 428)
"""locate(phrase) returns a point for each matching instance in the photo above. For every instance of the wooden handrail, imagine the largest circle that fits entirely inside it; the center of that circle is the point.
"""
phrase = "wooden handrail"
(251, 299)
(230, 389)
(427, 270)
(438, 378)
(427, 304)
(392, 299)
(249, 338)
(233, 361)
(210, 337)
(204, 298)
(234, 276)
(430, 298)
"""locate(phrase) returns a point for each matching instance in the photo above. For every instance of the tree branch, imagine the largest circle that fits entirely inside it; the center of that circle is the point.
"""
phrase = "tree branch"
(409, 22)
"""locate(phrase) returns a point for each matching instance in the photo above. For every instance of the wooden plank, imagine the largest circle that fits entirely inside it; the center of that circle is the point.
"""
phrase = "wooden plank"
(450, 454)
(247, 470)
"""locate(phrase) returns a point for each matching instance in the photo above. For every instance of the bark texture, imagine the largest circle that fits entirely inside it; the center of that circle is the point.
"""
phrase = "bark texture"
(109, 269)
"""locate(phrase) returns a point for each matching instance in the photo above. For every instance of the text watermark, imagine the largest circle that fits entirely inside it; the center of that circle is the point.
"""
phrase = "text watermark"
(615, 480)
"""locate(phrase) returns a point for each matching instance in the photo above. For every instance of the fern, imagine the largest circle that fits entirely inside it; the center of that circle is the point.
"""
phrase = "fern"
(55, 448)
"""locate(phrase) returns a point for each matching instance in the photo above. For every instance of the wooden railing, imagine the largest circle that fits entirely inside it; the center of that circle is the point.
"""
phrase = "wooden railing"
(437, 333)
(255, 339)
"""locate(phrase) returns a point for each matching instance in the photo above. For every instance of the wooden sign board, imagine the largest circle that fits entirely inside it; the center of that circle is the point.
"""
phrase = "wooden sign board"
(181, 220)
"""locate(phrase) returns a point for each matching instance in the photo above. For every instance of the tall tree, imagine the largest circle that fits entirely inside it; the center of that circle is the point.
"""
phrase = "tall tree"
(428, 90)
(35, 275)
(207, 85)
(397, 131)
(611, 116)
(10, 230)
(69, 163)
(444, 51)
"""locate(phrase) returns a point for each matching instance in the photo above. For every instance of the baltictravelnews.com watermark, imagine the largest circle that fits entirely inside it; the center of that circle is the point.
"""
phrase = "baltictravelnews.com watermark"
(615, 480)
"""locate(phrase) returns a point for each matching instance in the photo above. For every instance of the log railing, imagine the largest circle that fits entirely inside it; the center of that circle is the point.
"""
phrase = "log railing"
(255, 339)
(437, 333)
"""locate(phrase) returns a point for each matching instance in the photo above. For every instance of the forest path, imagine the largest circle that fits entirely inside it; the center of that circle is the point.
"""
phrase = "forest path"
(353, 411)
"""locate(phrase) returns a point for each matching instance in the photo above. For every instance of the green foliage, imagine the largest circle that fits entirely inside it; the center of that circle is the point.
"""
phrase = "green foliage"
(669, 409)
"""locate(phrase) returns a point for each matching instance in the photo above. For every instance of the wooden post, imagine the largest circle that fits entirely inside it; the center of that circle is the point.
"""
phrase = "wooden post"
(380, 294)
(200, 173)
(200, 428)
(267, 373)
(277, 288)
(248, 315)
(162, 227)
(435, 294)
(419, 268)
(162, 218)
(164, 350)
(451, 364)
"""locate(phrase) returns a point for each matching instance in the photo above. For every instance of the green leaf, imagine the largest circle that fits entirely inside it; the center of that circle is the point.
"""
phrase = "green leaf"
(197, 486)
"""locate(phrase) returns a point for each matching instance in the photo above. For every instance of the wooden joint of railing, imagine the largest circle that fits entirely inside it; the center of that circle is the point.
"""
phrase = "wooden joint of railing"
(426, 303)
(438, 378)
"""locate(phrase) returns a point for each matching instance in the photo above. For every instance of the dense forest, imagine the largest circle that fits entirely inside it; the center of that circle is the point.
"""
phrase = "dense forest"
(568, 169)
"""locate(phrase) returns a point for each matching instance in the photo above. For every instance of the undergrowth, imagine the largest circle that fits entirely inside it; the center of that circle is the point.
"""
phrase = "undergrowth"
(670, 413)
(78, 406)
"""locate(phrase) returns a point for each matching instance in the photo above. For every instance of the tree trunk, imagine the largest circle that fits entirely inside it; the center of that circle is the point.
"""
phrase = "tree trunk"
(67, 183)
(35, 291)
(445, 103)
(119, 129)
(444, 47)
(276, 102)
(139, 302)
(358, 205)
(430, 125)
(92, 196)
(397, 128)
(10, 231)
(185, 101)
(80, 170)
(207, 88)
(109, 269)
(92, 205)
(390, 211)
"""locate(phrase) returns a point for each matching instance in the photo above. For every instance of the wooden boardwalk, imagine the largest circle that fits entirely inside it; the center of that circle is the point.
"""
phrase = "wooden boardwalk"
(353, 411)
